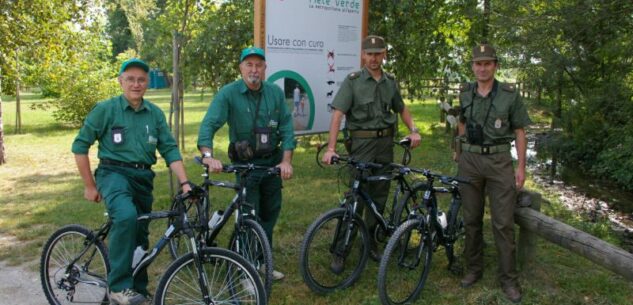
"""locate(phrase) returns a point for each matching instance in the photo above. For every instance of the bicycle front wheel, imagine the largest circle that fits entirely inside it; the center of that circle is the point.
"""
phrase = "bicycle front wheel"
(74, 270)
(179, 244)
(249, 241)
(227, 277)
(405, 264)
(334, 251)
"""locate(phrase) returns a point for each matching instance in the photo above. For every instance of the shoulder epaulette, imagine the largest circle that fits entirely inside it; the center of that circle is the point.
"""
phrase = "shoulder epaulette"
(390, 76)
(464, 87)
(354, 75)
(508, 87)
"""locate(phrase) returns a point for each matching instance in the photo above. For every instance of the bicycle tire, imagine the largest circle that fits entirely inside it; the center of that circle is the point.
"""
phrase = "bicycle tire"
(317, 252)
(179, 244)
(255, 248)
(87, 280)
(230, 280)
(405, 264)
(403, 206)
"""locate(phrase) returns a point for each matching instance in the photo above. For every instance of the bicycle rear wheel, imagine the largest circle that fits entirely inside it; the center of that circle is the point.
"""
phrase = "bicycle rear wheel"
(228, 278)
(74, 270)
(250, 241)
(179, 244)
(405, 264)
(334, 236)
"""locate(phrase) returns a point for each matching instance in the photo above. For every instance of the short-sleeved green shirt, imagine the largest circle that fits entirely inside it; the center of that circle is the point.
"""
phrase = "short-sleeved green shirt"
(367, 103)
(236, 105)
(142, 132)
(507, 111)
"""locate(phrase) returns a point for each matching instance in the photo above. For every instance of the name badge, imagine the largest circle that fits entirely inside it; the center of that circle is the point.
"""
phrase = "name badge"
(117, 135)
(498, 123)
(152, 140)
(273, 123)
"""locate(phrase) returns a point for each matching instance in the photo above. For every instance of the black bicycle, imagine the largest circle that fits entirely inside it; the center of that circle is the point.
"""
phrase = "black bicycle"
(341, 235)
(248, 238)
(74, 265)
(406, 261)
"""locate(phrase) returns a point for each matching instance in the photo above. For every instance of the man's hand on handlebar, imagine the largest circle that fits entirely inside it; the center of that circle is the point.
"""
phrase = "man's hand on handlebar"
(327, 157)
(415, 139)
(214, 165)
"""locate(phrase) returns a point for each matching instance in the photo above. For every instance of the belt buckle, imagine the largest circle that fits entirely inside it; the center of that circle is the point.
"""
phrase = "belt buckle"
(485, 150)
(379, 133)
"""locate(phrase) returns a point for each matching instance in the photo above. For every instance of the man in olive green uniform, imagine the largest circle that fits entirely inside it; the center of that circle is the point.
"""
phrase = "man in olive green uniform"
(492, 115)
(129, 129)
(370, 101)
(260, 123)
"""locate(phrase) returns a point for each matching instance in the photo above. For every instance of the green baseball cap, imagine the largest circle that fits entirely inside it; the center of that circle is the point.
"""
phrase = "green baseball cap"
(252, 51)
(133, 62)
(374, 44)
(484, 51)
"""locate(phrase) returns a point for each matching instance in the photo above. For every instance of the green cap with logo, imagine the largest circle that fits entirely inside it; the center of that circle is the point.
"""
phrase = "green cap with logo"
(484, 51)
(374, 44)
(133, 62)
(252, 51)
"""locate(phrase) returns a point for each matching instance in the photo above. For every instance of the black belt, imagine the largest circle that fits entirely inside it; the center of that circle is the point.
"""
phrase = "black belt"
(125, 164)
(486, 149)
(387, 132)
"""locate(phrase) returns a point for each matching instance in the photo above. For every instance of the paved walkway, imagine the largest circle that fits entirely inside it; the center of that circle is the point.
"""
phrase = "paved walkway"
(18, 286)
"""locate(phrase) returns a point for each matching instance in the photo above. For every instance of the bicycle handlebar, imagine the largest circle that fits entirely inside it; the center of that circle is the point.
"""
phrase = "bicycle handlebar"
(358, 164)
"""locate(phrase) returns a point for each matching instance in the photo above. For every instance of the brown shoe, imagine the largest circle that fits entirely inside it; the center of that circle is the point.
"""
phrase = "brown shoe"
(513, 293)
(470, 279)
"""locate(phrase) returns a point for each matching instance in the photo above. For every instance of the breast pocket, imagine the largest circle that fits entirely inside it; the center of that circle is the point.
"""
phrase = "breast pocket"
(362, 109)
(151, 139)
(499, 123)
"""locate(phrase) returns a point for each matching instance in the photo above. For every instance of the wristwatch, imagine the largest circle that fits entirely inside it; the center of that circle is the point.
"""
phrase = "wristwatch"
(207, 154)
(415, 130)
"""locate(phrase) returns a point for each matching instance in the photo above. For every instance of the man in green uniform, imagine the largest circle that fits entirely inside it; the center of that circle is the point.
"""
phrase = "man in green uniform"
(370, 101)
(260, 132)
(129, 129)
(492, 115)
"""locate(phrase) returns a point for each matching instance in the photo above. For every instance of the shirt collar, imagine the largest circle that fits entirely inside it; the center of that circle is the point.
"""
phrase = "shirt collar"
(244, 89)
(492, 93)
(125, 104)
(365, 75)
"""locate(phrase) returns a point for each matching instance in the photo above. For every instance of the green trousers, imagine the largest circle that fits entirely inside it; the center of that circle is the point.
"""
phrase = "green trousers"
(377, 150)
(127, 193)
(263, 191)
(492, 174)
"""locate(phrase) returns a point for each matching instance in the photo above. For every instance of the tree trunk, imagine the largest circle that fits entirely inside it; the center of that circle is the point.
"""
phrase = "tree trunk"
(486, 20)
(18, 110)
(2, 158)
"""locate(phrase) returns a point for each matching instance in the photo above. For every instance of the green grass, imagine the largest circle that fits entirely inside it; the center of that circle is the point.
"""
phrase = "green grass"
(41, 191)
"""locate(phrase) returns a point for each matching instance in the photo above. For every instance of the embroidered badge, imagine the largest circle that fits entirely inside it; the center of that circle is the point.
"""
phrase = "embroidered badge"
(498, 123)
(117, 135)
(264, 138)
(273, 123)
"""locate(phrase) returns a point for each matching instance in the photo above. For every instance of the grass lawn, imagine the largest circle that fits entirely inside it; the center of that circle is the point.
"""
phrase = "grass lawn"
(40, 191)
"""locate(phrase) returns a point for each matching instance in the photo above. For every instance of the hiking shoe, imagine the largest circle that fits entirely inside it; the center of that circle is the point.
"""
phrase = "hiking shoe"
(513, 293)
(276, 274)
(337, 265)
(126, 297)
(470, 279)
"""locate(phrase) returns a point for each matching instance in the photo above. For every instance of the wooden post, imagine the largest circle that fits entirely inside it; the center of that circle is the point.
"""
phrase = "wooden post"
(594, 249)
(526, 244)
(2, 157)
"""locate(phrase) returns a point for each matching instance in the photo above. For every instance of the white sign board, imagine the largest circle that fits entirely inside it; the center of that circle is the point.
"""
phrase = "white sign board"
(311, 46)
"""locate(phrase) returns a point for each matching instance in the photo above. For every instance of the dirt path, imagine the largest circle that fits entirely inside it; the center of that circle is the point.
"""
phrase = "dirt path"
(18, 286)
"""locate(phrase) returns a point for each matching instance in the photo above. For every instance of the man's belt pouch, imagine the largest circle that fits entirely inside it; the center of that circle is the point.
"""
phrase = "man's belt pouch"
(240, 151)
(263, 141)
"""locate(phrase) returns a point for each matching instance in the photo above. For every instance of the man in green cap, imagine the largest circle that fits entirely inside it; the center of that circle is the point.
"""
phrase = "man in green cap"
(370, 100)
(260, 132)
(129, 129)
(492, 115)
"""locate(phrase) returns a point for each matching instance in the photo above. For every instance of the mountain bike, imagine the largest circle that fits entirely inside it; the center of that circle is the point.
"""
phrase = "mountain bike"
(74, 265)
(248, 238)
(406, 260)
(341, 234)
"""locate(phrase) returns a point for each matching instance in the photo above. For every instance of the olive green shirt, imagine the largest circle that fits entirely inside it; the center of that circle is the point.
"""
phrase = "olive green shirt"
(236, 105)
(141, 133)
(369, 104)
(507, 111)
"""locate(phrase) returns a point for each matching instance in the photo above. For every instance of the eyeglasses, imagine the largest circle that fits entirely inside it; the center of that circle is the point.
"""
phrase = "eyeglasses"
(132, 80)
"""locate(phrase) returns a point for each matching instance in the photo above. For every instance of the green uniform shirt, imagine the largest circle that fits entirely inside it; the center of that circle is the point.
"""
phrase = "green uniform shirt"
(141, 133)
(367, 103)
(507, 113)
(236, 105)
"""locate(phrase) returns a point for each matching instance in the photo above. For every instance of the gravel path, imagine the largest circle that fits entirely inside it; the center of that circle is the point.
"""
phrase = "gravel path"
(18, 286)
